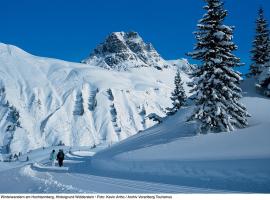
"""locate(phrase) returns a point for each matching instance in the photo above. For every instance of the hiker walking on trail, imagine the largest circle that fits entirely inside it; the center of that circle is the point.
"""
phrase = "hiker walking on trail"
(53, 157)
(60, 157)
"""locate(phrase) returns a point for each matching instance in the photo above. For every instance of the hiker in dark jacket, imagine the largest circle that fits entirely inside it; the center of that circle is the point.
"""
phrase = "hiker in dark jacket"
(60, 157)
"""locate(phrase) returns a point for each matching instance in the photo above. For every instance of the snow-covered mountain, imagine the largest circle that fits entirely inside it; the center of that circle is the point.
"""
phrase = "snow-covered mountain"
(182, 64)
(122, 51)
(166, 158)
(45, 101)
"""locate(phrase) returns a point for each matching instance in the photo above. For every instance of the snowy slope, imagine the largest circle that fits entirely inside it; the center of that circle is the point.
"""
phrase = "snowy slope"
(173, 153)
(182, 64)
(74, 103)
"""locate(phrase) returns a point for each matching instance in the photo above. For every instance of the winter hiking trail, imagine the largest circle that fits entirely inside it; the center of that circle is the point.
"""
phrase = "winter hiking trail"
(76, 177)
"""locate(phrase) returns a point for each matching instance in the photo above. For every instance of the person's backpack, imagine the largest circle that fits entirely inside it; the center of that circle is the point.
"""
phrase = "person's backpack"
(61, 155)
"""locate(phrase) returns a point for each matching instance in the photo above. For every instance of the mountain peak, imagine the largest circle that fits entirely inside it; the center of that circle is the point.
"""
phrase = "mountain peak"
(124, 50)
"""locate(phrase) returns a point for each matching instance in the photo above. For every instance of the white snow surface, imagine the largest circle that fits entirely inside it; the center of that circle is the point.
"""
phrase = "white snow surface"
(44, 92)
(172, 152)
(182, 64)
(166, 158)
(38, 176)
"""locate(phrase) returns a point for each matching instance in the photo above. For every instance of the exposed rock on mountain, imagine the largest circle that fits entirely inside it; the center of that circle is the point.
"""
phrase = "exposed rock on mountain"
(122, 51)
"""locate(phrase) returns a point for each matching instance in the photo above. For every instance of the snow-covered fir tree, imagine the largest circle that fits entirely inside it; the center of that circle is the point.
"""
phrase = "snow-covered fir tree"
(155, 117)
(260, 67)
(264, 81)
(260, 54)
(13, 123)
(178, 95)
(13, 119)
(216, 88)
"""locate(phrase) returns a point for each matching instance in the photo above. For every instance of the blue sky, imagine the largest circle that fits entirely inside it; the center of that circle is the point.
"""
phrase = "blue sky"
(70, 29)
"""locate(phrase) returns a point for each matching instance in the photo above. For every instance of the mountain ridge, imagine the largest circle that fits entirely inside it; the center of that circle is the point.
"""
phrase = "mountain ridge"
(67, 102)
(125, 50)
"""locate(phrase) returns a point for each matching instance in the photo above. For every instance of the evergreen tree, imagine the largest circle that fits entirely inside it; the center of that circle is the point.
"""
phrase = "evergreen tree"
(13, 123)
(260, 54)
(216, 83)
(178, 95)
(264, 81)
(13, 119)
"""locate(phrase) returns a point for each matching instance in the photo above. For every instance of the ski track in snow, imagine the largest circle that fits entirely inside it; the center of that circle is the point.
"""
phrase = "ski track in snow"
(139, 186)
(48, 181)
(58, 180)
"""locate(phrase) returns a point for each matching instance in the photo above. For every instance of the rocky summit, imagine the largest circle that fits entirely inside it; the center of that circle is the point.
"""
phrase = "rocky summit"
(122, 51)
